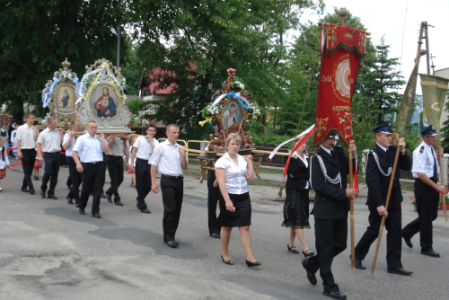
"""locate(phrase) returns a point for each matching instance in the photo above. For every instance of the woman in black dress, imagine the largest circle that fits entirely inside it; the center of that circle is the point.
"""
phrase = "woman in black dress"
(296, 207)
(232, 171)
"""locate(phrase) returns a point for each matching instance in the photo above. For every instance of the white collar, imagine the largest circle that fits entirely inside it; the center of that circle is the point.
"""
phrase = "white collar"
(226, 155)
(325, 149)
(427, 146)
(381, 147)
(297, 155)
(170, 144)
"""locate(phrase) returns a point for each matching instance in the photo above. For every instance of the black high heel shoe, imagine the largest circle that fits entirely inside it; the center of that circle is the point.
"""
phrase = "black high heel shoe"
(308, 253)
(290, 249)
(228, 262)
(253, 264)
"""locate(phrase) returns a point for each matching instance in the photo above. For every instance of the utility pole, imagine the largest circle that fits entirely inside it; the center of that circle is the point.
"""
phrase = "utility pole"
(427, 48)
(433, 65)
(118, 33)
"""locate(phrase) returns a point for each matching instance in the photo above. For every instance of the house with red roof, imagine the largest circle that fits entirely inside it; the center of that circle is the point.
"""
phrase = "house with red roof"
(157, 89)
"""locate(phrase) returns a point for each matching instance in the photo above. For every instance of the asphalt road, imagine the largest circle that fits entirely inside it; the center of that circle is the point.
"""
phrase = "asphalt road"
(49, 251)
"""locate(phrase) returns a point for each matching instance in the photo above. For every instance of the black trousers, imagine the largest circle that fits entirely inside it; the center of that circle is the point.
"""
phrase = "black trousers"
(93, 178)
(330, 240)
(172, 191)
(51, 171)
(69, 179)
(213, 193)
(115, 168)
(143, 182)
(427, 205)
(28, 159)
(394, 239)
(75, 178)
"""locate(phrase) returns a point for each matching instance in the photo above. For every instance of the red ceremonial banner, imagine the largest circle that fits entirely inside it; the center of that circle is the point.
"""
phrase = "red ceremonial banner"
(341, 50)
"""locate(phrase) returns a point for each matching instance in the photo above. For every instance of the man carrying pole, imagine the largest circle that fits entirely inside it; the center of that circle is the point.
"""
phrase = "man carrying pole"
(341, 50)
(329, 169)
(379, 167)
(426, 171)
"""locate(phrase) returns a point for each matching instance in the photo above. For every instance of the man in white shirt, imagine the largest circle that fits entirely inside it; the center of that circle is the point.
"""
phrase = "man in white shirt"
(118, 147)
(143, 148)
(170, 159)
(426, 172)
(88, 156)
(49, 141)
(26, 144)
(75, 177)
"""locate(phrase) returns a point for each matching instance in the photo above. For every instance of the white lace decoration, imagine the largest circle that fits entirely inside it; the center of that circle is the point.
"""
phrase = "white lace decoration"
(376, 158)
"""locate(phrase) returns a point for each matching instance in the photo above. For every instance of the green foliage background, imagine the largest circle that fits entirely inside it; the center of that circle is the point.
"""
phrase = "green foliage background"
(251, 36)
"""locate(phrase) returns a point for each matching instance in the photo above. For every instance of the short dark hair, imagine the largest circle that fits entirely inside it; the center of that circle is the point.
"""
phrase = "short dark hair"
(73, 122)
(152, 126)
(28, 115)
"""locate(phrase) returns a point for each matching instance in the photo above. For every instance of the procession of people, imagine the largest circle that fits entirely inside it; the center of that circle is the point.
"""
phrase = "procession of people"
(325, 172)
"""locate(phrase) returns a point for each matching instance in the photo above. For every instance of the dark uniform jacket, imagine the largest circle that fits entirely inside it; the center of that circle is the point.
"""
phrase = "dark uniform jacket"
(330, 199)
(378, 183)
(300, 172)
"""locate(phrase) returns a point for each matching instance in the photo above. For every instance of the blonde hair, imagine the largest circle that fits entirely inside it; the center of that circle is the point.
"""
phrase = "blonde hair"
(232, 136)
(295, 141)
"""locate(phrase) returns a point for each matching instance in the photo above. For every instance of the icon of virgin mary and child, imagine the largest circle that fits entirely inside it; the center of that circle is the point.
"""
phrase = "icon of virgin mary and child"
(231, 119)
(105, 105)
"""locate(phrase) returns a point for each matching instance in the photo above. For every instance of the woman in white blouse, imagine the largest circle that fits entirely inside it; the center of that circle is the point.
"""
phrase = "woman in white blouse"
(232, 172)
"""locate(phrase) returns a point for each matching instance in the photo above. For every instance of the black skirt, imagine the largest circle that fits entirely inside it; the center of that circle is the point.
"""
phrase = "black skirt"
(242, 214)
(296, 209)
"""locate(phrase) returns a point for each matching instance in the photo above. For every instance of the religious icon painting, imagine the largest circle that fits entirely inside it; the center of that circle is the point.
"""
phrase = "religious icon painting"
(65, 97)
(343, 78)
(102, 99)
(60, 95)
(104, 102)
(231, 116)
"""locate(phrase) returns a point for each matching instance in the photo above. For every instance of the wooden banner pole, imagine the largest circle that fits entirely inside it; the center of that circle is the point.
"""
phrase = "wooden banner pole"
(382, 224)
(351, 203)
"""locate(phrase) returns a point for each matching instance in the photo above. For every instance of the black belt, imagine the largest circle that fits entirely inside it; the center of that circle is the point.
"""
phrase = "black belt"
(143, 159)
(115, 155)
(174, 177)
(91, 163)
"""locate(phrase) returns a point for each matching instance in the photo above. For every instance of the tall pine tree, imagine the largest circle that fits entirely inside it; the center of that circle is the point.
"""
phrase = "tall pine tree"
(381, 84)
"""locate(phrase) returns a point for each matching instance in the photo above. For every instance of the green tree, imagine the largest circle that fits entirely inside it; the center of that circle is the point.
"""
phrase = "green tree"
(382, 83)
(38, 35)
(215, 35)
(135, 105)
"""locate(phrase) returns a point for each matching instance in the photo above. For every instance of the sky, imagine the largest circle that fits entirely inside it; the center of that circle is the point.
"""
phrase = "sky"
(387, 18)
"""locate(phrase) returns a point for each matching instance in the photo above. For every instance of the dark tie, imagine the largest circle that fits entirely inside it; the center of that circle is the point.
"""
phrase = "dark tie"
(435, 172)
